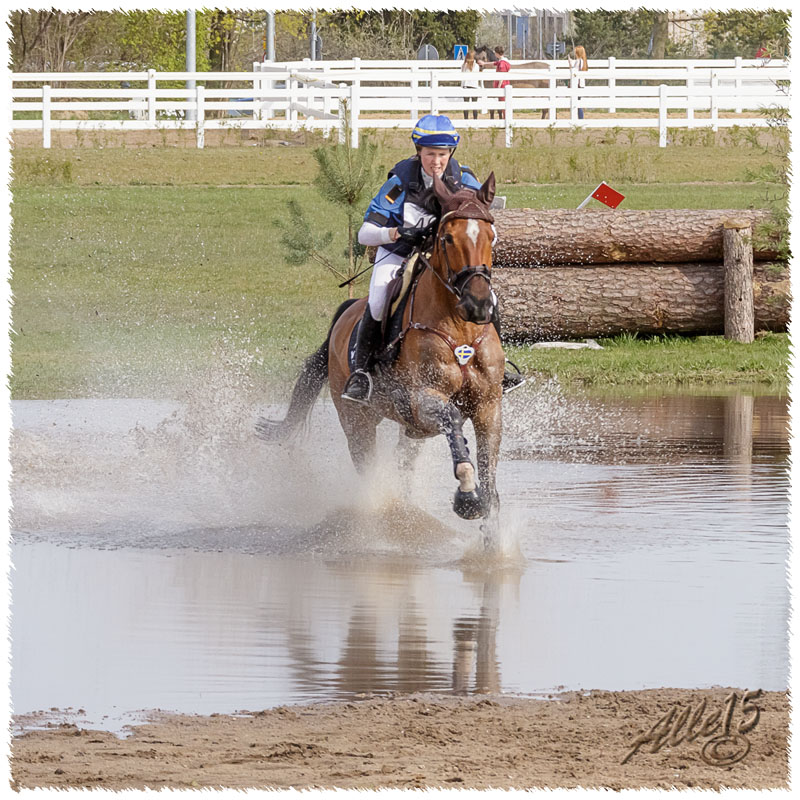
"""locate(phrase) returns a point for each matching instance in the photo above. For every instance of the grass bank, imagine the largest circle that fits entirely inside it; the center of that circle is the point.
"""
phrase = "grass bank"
(568, 157)
(663, 361)
(137, 283)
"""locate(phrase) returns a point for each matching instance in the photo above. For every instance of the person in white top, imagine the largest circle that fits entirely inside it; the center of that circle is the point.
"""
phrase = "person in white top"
(576, 69)
(470, 66)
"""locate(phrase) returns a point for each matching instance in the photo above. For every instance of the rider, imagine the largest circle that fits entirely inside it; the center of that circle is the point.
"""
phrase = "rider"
(398, 219)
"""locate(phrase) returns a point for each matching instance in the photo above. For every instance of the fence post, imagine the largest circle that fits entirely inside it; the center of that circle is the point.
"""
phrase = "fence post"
(354, 114)
(573, 99)
(342, 112)
(291, 110)
(414, 93)
(714, 102)
(46, 116)
(151, 96)
(551, 89)
(434, 92)
(270, 87)
(737, 248)
(689, 93)
(200, 115)
(509, 116)
(737, 65)
(257, 90)
(662, 115)
(612, 85)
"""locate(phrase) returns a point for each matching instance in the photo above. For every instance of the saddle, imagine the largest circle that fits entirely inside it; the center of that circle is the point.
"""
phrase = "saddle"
(397, 295)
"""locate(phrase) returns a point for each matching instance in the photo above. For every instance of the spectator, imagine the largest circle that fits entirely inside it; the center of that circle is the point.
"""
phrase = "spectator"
(576, 67)
(501, 65)
(470, 66)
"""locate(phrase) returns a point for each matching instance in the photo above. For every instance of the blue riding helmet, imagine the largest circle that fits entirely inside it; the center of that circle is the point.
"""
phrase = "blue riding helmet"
(435, 131)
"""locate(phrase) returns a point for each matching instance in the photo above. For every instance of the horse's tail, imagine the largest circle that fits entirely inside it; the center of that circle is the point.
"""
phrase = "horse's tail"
(306, 390)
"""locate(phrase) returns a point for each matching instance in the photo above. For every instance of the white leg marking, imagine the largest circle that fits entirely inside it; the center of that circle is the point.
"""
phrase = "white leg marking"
(466, 477)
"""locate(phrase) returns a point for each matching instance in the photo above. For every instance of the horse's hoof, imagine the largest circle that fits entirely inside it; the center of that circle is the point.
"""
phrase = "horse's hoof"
(468, 505)
(270, 430)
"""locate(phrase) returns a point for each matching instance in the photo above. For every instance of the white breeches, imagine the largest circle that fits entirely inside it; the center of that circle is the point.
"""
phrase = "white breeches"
(387, 265)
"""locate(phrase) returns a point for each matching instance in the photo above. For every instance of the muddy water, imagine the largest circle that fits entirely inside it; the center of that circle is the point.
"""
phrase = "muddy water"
(165, 559)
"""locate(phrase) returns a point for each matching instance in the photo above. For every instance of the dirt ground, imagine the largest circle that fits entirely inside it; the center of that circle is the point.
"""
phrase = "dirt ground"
(569, 740)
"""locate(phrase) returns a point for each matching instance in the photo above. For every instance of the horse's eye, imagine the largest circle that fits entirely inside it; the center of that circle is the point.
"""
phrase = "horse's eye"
(448, 238)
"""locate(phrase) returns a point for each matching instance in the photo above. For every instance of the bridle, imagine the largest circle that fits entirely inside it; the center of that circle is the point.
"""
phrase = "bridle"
(457, 282)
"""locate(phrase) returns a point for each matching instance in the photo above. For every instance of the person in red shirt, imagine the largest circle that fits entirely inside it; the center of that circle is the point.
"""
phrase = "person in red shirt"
(501, 65)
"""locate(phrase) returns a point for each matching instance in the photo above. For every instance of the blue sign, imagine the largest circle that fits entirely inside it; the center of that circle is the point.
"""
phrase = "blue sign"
(459, 51)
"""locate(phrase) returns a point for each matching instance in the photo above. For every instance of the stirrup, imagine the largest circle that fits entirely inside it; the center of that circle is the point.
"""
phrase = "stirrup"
(352, 382)
(513, 381)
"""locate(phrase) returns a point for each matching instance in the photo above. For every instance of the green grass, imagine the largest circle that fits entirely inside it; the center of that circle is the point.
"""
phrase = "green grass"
(120, 289)
(133, 270)
(662, 361)
(536, 163)
(643, 196)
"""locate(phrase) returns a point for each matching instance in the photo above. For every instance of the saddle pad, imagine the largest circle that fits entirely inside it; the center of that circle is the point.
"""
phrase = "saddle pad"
(392, 320)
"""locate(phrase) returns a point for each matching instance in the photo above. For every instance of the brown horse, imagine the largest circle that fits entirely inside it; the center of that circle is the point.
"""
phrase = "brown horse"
(488, 56)
(449, 367)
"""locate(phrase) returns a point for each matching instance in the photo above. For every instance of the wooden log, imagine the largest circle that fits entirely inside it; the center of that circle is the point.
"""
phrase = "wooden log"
(575, 301)
(529, 238)
(737, 236)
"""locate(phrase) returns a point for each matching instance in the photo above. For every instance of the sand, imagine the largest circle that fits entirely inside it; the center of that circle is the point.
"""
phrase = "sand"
(566, 740)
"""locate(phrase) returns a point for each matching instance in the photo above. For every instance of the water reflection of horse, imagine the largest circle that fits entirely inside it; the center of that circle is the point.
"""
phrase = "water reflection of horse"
(485, 53)
(449, 367)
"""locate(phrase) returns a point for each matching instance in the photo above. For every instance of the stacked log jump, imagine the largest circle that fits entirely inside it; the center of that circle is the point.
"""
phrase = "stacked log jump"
(569, 273)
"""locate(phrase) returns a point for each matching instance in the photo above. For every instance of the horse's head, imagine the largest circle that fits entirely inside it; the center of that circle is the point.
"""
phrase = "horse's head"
(463, 247)
(485, 53)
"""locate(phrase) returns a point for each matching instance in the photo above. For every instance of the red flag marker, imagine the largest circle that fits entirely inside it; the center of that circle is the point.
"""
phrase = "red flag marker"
(606, 195)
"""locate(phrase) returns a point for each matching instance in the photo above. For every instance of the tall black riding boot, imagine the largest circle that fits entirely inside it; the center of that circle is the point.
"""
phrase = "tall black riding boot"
(511, 380)
(359, 385)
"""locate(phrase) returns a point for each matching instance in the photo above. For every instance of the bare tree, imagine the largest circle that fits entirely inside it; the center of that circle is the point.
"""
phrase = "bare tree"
(42, 39)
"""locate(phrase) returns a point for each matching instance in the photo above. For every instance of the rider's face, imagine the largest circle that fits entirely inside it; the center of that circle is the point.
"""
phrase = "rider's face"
(434, 159)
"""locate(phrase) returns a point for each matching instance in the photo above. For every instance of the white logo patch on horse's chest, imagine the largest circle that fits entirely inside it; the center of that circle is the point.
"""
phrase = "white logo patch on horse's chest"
(473, 229)
(464, 353)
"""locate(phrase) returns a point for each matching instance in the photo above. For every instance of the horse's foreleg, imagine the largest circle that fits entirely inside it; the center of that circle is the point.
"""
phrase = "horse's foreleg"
(407, 450)
(488, 432)
(435, 412)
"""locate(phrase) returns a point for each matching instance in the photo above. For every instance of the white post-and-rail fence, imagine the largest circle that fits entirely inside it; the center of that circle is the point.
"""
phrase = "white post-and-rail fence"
(359, 95)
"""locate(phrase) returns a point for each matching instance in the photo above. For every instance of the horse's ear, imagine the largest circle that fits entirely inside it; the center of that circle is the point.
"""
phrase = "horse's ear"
(440, 189)
(486, 193)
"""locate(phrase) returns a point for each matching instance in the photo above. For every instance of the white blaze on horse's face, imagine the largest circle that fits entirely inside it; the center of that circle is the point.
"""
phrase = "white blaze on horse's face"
(473, 229)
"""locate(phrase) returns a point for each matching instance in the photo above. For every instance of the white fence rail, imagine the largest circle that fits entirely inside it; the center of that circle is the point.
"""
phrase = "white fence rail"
(394, 94)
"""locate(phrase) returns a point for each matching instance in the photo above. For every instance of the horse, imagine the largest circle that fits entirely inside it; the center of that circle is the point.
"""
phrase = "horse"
(490, 56)
(449, 367)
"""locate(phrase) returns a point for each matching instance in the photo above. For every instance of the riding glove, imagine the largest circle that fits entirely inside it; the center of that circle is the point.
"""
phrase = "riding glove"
(413, 235)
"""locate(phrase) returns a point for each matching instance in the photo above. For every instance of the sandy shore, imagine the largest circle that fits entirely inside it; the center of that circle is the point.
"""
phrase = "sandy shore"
(570, 740)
